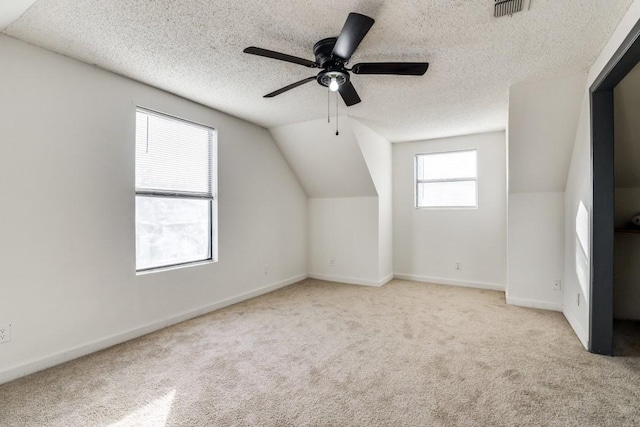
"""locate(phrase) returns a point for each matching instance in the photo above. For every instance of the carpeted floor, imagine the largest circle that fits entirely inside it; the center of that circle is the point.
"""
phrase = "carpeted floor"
(324, 354)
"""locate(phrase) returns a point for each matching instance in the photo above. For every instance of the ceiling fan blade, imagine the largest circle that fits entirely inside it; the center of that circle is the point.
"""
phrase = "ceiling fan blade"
(291, 86)
(355, 28)
(281, 56)
(396, 68)
(349, 94)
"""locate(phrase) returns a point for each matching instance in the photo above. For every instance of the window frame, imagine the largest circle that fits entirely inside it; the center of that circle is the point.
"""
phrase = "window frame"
(187, 195)
(417, 181)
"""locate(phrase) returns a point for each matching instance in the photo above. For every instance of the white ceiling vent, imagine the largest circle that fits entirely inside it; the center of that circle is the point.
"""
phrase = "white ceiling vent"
(509, 7)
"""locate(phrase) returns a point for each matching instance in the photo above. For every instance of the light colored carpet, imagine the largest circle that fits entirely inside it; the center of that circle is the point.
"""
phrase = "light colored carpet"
(324, 354)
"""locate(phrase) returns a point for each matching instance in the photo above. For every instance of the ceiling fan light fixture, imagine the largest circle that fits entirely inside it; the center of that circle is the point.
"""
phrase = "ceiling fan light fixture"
(333, 86)
(333, 78)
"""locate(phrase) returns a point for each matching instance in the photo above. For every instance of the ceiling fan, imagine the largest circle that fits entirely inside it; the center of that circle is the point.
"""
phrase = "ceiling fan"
(333, 54)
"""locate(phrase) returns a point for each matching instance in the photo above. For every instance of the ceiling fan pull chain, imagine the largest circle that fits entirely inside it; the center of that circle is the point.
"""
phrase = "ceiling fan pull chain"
(328, 105)
(337, 133)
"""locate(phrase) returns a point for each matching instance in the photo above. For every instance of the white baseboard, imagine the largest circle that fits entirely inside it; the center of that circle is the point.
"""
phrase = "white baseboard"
(74, 353)
(583, 336)
(441, 281)
(347, 280)
(385, 280)
(529, 303)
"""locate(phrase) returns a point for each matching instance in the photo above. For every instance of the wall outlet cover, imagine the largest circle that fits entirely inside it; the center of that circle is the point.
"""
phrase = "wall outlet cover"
(5, 332)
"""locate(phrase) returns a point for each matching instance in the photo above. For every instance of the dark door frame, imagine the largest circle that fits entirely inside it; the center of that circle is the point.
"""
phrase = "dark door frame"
(603, 187)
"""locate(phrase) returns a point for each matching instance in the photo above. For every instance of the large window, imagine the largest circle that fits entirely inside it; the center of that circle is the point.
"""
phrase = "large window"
(447, 180)
(175, 191)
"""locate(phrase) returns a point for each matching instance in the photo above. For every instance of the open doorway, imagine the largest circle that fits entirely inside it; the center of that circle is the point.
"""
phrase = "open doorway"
(601, 328)
(626, 255)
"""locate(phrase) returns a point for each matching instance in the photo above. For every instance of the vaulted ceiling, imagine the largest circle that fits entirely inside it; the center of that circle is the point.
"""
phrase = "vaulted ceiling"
(193, 48)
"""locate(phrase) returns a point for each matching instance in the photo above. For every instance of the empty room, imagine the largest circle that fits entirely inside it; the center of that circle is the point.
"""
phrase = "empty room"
(338, 213)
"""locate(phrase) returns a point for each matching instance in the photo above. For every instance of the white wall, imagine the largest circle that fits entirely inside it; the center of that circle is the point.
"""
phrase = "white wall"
(378, 156)
(577, 207)
(67, 259)
(348, 181)
(578, 193)
(344, 230)
(427, 243)
(543, 116)
(536, 249)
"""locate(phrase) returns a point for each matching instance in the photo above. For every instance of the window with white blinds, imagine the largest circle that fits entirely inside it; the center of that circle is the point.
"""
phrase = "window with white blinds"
(447, 180)
(175, 185)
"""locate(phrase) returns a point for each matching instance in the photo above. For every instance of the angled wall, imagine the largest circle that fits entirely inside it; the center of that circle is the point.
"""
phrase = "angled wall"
(348, 180)
(377, 153)
(542, 125)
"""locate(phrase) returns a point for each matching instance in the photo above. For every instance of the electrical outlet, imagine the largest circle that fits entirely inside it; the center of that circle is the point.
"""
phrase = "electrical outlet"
(266, 269)
(332, 262)
(557, 285)
(5, 332)
(458, 265)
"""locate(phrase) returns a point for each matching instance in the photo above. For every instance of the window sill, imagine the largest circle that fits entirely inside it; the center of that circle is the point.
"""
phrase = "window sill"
(175, 267)
(446, 208)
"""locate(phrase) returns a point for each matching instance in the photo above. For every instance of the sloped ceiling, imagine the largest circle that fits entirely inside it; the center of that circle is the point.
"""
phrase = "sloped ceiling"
(193, 48)
(327, 165)
(10, 10)
(543, 117)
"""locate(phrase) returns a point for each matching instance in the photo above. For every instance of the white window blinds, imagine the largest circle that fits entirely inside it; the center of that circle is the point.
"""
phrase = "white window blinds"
(172, 156)
(447, 180)
(456, 165)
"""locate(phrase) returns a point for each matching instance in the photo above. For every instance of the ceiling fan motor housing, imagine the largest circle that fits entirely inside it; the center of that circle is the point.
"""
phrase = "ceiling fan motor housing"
(322, 51)
(333, 67)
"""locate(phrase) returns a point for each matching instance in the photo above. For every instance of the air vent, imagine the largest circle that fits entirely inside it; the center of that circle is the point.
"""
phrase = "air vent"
(507, 7)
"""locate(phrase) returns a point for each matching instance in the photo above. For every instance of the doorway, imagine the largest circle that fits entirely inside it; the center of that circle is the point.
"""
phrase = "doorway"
(603, 187)
(626, 268)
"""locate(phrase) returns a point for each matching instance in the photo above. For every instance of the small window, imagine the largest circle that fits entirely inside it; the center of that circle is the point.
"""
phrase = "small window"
(447, 180)
(175, 189)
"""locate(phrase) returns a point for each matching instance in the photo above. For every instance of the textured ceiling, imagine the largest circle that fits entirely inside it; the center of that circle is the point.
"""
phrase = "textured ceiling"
(193, 48)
